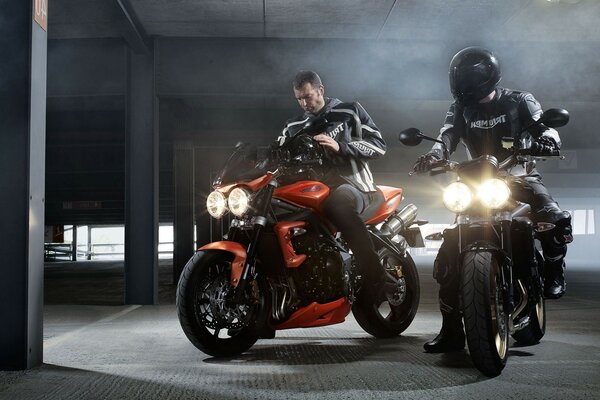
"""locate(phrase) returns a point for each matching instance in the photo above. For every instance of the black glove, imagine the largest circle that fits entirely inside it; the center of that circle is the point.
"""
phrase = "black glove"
(544, 146)
(424, 163)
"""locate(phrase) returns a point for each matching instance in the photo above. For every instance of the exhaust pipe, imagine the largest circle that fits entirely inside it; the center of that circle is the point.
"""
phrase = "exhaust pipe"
(399, 221)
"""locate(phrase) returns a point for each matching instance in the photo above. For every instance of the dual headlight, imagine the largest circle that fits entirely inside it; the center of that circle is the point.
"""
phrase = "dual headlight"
(493, 193)
(238, 203)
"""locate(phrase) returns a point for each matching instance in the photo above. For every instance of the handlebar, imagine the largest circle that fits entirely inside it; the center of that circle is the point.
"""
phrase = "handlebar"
(529, 151)
(437, 168)
(521, 155)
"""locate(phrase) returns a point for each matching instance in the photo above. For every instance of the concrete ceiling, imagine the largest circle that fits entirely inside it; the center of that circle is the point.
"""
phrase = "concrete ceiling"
(531, 20)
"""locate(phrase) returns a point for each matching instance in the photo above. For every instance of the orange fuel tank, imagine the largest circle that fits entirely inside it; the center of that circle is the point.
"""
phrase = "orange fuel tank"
(309, 194)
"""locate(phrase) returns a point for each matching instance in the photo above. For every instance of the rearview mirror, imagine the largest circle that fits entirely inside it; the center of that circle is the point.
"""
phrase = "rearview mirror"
(410, 137)
(555, 117)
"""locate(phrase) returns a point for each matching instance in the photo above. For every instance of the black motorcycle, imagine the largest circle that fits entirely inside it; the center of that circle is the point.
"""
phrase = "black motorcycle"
(501, 270)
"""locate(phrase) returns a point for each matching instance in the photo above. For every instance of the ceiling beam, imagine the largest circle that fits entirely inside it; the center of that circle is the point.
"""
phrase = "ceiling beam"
(133, 30)
(264, 18)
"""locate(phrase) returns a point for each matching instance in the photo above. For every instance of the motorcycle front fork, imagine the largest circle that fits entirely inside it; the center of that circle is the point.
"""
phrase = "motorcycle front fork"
(506, 267)
(260, 222)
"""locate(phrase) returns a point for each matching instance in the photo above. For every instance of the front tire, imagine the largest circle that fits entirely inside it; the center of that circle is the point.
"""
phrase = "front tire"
(389, 316)
(486, 322)
(207, 314)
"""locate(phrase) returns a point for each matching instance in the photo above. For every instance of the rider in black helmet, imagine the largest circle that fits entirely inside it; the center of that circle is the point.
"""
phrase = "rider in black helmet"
(474, 73)
(483, 113)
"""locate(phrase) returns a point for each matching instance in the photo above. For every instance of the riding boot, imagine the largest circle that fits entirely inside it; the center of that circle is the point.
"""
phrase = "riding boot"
(379, 290)
(375, 288)
(451, 336)
(554, 279)
(554, 244)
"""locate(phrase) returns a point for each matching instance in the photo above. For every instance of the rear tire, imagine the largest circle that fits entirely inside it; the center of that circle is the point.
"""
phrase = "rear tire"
(206, 313)
(388, 317)
(486, 323)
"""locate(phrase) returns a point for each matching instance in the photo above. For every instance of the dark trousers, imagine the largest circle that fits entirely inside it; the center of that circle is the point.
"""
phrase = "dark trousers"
(343, 209)
(531, 190)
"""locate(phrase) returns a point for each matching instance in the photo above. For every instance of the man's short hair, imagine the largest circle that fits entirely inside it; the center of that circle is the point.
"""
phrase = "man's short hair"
(303, 77)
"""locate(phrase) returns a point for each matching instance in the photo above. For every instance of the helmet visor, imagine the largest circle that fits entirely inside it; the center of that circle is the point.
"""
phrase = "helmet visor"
(472, 83)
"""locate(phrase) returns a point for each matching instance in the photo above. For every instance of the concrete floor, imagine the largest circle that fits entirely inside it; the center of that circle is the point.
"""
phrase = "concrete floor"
(113, 351)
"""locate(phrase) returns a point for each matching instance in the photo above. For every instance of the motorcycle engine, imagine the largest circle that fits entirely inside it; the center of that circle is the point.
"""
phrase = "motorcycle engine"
(321, 277)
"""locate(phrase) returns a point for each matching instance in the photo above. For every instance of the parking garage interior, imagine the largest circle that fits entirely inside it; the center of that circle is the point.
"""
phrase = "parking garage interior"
(116, 115)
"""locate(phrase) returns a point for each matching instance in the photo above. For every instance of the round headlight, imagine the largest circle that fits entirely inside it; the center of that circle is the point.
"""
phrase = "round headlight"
(457, 197)
(216, 204)
(239, 201)
(493, 193)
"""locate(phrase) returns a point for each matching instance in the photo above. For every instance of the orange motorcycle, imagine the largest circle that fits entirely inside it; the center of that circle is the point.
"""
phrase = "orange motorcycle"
(282, 265)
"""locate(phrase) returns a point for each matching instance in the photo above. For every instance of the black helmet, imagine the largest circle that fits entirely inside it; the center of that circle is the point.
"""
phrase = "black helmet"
(474, 73)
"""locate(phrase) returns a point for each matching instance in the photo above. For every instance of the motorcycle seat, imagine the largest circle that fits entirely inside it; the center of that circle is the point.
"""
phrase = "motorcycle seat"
(377, 199)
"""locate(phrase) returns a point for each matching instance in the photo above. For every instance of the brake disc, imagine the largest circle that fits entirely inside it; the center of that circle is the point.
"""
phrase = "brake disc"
(216, 309)
(397, 297)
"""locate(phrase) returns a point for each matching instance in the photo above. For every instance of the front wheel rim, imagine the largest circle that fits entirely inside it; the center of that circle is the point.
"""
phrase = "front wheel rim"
(212, 307)
(499, 319)
(539, 311)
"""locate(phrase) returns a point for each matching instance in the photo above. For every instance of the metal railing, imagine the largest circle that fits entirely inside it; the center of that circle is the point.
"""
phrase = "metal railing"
(64, 251)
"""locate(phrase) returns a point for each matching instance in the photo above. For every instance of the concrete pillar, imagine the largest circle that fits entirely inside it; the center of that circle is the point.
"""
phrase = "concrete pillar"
(183, 206)
(203, 187)
(23, 45)
(74, 244)
(141, 184)
(90, 249)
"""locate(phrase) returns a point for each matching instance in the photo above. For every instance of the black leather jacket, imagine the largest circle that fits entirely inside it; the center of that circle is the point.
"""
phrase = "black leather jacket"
(359, 138)
(481, 127)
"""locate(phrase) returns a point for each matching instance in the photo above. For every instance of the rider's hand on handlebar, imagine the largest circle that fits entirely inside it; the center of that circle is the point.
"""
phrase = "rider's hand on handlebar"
(544, 146)
(328, 142)
(425, 163)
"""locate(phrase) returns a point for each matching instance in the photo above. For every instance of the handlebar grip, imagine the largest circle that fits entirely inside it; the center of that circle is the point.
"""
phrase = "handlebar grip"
(540, 150)
(415, 171)
(546, 152)
(434, 168)
(434, 172)
(439, 164)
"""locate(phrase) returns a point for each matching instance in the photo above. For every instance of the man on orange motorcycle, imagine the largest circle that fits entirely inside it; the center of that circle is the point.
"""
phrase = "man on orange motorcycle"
(350, 140)
(481, 115)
